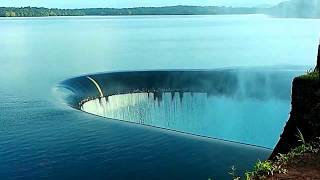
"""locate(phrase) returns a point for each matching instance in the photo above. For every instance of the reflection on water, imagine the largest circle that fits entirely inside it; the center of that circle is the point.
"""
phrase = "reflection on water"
(42, 139)
(246, 120)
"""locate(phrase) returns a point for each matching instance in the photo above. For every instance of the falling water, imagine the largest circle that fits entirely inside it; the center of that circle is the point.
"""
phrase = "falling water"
(245, 120)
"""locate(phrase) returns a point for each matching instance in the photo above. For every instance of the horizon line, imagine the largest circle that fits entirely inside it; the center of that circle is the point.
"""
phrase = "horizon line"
(130, 7)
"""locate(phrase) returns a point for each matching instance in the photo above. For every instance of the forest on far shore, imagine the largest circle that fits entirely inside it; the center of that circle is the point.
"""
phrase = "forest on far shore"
(168, 10)
(287, 9)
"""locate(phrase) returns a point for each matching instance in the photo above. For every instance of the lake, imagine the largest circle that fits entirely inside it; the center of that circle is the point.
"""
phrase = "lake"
(42, 137)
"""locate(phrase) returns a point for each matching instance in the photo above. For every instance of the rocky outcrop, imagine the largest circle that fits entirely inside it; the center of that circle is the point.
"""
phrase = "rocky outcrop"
(305, 115)
(318, 60)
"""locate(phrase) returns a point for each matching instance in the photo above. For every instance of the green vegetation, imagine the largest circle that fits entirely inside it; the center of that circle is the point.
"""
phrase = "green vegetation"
(300, 137)
(264, 169)
(168, 10)
(310, 75)
(261, 169)
(35, 12)
(292, 8)
(233, 173)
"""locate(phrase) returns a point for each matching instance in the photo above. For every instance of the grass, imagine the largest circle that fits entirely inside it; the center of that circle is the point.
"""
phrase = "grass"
(300, 137)
(311, 75)
(264, 169)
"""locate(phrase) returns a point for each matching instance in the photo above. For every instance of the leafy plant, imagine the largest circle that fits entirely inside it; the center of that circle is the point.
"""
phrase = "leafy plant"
(264, 169)
(233, 173)
(261, 170)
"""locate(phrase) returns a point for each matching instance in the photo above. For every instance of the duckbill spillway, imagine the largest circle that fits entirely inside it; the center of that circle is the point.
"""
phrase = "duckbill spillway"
(248, 106)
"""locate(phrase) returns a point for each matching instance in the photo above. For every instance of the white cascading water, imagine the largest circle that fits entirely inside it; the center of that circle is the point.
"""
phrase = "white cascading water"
(245, 120)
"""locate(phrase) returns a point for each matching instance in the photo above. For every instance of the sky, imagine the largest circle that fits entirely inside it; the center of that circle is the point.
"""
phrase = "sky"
(130, 3)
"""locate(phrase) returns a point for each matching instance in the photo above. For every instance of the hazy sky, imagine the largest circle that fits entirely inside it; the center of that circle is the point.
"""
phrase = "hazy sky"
(130, 3)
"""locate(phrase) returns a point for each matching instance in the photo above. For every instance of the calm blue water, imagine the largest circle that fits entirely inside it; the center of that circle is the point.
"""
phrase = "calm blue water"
(41, 137)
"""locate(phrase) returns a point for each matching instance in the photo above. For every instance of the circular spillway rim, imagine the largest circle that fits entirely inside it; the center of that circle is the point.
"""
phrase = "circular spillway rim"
(97, 85)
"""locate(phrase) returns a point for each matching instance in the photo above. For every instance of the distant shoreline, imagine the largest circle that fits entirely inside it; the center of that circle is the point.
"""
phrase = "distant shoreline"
(286, 9)
(149, 15)
(166, 10)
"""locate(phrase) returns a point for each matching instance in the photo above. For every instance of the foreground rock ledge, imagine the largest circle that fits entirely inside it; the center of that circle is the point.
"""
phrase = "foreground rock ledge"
(305, 115)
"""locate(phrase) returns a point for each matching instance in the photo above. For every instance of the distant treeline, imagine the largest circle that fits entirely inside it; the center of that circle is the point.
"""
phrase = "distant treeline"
(169, 10)
(292, 8)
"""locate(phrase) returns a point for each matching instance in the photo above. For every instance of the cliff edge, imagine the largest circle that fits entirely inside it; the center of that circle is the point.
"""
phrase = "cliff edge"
(305, 112)
(304, 116)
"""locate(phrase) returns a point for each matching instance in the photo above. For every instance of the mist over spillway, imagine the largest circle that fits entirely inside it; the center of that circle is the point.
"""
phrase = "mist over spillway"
(243, 105)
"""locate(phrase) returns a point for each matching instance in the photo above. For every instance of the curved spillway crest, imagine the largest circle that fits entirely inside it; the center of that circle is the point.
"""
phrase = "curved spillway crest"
(97, 85)
(246, 106)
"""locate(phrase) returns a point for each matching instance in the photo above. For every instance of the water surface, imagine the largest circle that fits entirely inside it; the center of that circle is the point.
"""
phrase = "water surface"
(41, 137)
